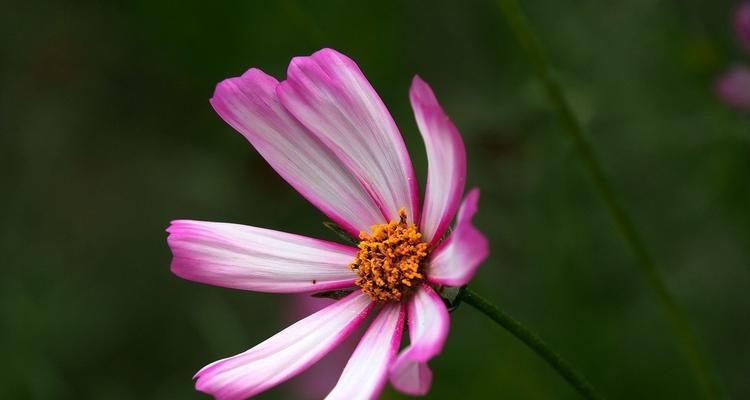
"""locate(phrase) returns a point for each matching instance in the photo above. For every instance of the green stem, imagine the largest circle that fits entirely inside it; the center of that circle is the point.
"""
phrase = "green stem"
(533, 341)
(687, 338)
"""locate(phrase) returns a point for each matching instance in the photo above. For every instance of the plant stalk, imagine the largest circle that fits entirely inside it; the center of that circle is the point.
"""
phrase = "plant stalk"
(687, 339)
(533, 341)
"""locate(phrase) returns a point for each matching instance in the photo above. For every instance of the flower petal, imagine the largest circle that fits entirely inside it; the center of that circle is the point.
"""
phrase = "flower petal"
(428, 329)
(455, 261)
(285, 354)
(446, 161)
(367, 369)
(250, 105)
(250, 258)
(328, 93)
(315, 382)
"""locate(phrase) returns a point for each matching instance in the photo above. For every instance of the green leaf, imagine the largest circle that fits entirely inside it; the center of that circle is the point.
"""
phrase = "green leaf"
(340, 232)
(451, 296)
(333, 294)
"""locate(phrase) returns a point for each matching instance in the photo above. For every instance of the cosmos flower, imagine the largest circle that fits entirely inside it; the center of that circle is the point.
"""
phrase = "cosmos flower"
(328, 134)
(742, 25)
(733, 87)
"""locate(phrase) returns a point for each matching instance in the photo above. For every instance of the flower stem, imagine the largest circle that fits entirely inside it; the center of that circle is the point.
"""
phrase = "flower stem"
(686, 337)
(533, 341)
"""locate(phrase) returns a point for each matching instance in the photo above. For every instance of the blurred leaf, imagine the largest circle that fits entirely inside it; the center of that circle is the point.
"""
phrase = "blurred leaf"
(340, 232)
(333, 294)
(451, 296)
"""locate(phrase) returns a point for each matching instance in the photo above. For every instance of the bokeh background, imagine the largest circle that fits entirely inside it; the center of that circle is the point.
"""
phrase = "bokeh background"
(107, 135)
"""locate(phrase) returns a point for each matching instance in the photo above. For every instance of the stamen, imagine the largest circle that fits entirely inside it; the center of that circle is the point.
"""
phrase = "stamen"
(389, 261)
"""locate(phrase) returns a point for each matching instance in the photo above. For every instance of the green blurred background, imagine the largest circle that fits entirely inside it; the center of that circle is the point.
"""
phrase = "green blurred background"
(107, 135)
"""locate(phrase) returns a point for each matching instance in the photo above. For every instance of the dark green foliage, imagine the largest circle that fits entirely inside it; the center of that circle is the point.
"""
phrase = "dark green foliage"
(106, 135)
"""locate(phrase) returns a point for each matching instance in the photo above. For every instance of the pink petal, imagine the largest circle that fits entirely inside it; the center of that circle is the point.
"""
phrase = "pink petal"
(365, 374)
(446, 159)
(742, 25)
(285, 354)
(328, 93)
(249, 104)
(315, 382)
(428, 329)
(456, 260)
(249, 258)
(733, 88)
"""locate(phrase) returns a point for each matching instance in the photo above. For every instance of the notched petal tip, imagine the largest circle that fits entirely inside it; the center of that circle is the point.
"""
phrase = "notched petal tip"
(297, 62)
(250, 103)
(330, 96)
(328, 52)
(251, 86)
(172, 224)
(327, 55)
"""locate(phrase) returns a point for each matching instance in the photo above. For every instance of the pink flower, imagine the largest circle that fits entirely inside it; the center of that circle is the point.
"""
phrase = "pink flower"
(733, 87)
(742, 25)
(328, 134)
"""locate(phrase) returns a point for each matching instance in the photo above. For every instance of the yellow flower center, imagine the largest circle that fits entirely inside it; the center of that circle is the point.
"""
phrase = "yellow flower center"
(389, 262)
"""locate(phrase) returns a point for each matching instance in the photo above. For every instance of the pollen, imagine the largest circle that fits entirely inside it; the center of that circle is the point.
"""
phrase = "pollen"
(389, 261)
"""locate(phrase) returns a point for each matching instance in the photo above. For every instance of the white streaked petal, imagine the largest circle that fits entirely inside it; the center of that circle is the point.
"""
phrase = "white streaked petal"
(328, 94)
(457, 258)
(446, 161)
(285, 354)
(367, 370)
(428, 329)
(250, 105)
(263, 260)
